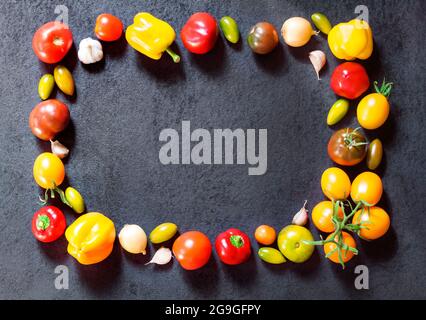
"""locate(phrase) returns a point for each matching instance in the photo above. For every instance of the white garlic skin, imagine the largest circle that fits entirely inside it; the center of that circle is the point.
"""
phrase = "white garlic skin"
(90, 51)
(301, 217)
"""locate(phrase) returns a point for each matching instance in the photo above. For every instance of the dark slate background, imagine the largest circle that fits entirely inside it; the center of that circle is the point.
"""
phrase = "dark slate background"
(123, 103)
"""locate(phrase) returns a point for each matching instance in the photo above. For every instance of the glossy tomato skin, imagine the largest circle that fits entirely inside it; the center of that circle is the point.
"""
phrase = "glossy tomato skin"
(335, 184)
(48, 170)
(373, 111)
(192, 250)
(346, 153)
(52, 41)
(368, 188)
(322, 215)
(375, 220)
(49, 118)
(108, 27)
(233, 247)
(346, 254)
(48, 224)
(349, 80)
(200, 32)
(265, 235)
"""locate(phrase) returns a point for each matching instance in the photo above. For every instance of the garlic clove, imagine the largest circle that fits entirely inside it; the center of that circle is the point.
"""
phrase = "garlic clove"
(59, 149)
(301, 217)
(161, 257)
(318, 60)
(90, 51)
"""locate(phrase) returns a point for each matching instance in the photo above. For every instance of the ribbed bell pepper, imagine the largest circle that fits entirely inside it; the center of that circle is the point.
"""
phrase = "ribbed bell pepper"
(90, 238)
(351, 40)
(151, 36)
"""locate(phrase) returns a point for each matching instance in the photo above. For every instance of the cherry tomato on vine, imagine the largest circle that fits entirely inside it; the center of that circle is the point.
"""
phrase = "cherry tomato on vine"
(346, 254)
(335, 184)
(49, 118)
(192, 250)
(265, 235)
(322, 215)
(349, 80)
(52, 41)
(108, 27)
(48, 171)
(375, 220)
(347, 147)
(233, 247)
(48, 224)
(367, 187)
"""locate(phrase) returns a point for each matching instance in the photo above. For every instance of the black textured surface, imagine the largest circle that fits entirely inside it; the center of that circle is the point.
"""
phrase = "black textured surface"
(124, 102)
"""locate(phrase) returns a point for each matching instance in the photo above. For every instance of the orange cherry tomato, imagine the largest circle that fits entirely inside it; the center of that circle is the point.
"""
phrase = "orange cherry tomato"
(346, 254)
(192, 250)
(322, 214)
(335, 184)
(48, 170)
(265, 235)
(376, 221)
(367, 187)
(108, 27)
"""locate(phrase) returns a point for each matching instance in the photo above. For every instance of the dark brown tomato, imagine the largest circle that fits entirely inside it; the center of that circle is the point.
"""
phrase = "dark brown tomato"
(347, 147)
(48, 118)
(263, 38)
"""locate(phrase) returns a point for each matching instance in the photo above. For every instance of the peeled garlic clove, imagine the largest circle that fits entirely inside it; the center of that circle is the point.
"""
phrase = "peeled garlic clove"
(318, 60)
(59, 149)
(301, 218)
(161, 257)
(90, 51)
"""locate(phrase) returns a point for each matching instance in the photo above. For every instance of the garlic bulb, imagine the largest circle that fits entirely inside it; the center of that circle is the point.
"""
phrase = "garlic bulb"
(133, 239)
(301, 217)
(90, 51)
(161, 257)
(59, 149)
(318, 60)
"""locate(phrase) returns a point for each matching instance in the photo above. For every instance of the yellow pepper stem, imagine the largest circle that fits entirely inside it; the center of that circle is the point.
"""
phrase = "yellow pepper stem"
(174, 55)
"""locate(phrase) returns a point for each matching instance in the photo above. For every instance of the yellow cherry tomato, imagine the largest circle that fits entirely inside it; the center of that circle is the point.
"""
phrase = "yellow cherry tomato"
(45, 86)
(64, 79)
(345, 254)
(75, 200)
(337, 111)
(335, 184)
(322, 215)
(163, 232)
(48, 170)
(375, 220)
(367, 187)
(373, 110)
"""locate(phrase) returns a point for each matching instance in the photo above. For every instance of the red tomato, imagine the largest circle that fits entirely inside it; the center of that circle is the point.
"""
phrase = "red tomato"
(349, 80)
(108, 27)
(49, 118)
(200, 32)
(52, 41)
(233, 246)
(192, 249)
(48, 224)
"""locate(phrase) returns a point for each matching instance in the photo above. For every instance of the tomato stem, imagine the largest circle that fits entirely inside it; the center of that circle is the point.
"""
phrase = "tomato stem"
(385, 89)
(43, 222)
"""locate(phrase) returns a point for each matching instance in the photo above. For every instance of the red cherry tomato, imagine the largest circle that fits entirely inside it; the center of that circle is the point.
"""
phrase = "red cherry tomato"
(52, 41)
(192, 250)
(49, 118)
(200, 32)
(349, 80)
(233, 246)
(48, 224)
(108, 27)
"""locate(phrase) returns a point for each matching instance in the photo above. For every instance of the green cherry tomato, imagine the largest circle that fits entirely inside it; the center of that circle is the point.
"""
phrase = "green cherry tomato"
(163, 232)
(321, 22)
(229, 29)
(291, 243)
(337, 111)
(271, 255)
(45, 86)
(74, 199)
(374, 154)
(64, 79)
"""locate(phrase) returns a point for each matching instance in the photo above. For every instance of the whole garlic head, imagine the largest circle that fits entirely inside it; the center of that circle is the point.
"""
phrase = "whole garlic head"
(90, 51)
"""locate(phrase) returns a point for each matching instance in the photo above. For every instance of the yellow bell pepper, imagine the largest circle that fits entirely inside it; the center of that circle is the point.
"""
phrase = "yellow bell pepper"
(90, 238)
(351, 40)
(151, 36)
